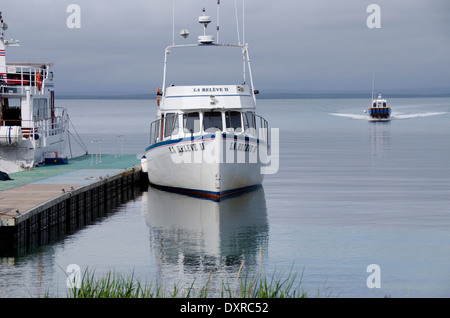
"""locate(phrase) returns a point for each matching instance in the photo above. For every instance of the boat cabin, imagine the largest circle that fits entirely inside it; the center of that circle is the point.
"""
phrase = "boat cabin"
(200, 122)
(379, 102)
(379, 108)
(188, 111)
(27, 98)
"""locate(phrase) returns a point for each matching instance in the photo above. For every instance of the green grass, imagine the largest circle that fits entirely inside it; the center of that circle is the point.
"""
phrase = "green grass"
(113, 285)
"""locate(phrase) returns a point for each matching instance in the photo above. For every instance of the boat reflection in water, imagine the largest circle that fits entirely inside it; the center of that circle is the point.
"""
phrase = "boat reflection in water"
(192, 235)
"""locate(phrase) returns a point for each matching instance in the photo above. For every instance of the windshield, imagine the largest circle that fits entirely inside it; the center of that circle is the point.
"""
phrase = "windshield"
(212, 121)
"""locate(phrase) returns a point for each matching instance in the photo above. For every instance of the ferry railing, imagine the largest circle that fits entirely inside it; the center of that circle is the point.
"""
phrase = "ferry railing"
(52, 126)
(19, 77)
(41, 128)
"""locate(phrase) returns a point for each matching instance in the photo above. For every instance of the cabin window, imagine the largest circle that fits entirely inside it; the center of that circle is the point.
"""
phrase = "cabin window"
(171, 125)
(384, 104)
(249, 120)
(212, 121)
(154, 132)
(374, 104)
(13, 102)
(191, 122)
(233, 121)
(250, 123)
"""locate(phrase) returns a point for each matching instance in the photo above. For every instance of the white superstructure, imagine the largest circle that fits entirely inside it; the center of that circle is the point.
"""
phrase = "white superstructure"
(32, 128)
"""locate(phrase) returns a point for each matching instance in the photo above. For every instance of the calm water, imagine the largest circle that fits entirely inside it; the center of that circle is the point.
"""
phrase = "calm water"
(348, 193)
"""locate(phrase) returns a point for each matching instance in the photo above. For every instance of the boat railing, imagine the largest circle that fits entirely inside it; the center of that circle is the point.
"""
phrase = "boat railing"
(256, 126)
(19, 78)
(42, 128)
(168, 128)
(55, 125)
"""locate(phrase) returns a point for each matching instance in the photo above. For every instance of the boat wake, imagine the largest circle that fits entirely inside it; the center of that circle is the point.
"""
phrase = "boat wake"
(393, 116)
(408, 116)
(352, 116)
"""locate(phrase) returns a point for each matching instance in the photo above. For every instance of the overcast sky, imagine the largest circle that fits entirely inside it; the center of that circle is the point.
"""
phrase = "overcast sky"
(299, 46)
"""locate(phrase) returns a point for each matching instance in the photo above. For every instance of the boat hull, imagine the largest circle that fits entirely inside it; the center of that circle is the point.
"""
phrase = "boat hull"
(213, 166)
(31, 152)
(379, 113)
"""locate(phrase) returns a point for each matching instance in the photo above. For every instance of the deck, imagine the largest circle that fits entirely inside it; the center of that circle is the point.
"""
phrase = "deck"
(60, 198)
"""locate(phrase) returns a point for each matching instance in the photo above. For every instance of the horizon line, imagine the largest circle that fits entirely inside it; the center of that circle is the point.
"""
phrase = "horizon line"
(274, 95)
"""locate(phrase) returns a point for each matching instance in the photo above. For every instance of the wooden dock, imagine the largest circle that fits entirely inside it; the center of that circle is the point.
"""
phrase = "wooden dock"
(42, 205)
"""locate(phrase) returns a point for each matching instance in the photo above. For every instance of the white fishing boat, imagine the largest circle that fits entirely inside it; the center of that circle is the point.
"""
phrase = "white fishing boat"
(207, 140)
(379, 110)
(32, 129)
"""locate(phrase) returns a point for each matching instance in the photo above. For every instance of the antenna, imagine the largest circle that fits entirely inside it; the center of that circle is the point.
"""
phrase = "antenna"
(243, 22)
(3, 25)
(173, 22)
(205, 20)
(237, 22)
(373, 81)
(217, 28)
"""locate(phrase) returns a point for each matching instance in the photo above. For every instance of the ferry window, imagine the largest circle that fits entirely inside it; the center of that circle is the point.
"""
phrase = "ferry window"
(384, 104)
(171, 124)
(233, 121)
(212, 121)
(374, 104)
(191, 122)
(14, 102)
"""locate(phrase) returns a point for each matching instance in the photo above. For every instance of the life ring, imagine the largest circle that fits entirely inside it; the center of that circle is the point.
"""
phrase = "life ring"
(39, 81)
(158, 94)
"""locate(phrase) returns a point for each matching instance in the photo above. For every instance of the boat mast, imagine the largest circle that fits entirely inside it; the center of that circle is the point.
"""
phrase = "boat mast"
(3, 28)
(173, 22)
(243, 22)
(373, 83)
(3, 44)
(218, 16)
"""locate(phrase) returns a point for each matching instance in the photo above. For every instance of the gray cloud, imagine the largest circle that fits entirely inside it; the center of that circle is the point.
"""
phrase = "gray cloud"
(308, 45)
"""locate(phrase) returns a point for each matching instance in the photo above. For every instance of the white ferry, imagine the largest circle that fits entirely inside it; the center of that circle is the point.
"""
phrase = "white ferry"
(379, 110)
(207, 140)
(32, 129)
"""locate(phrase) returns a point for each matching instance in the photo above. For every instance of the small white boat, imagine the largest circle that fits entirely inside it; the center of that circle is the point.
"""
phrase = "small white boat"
(32, 129)
(379, 110)
(207, 141)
